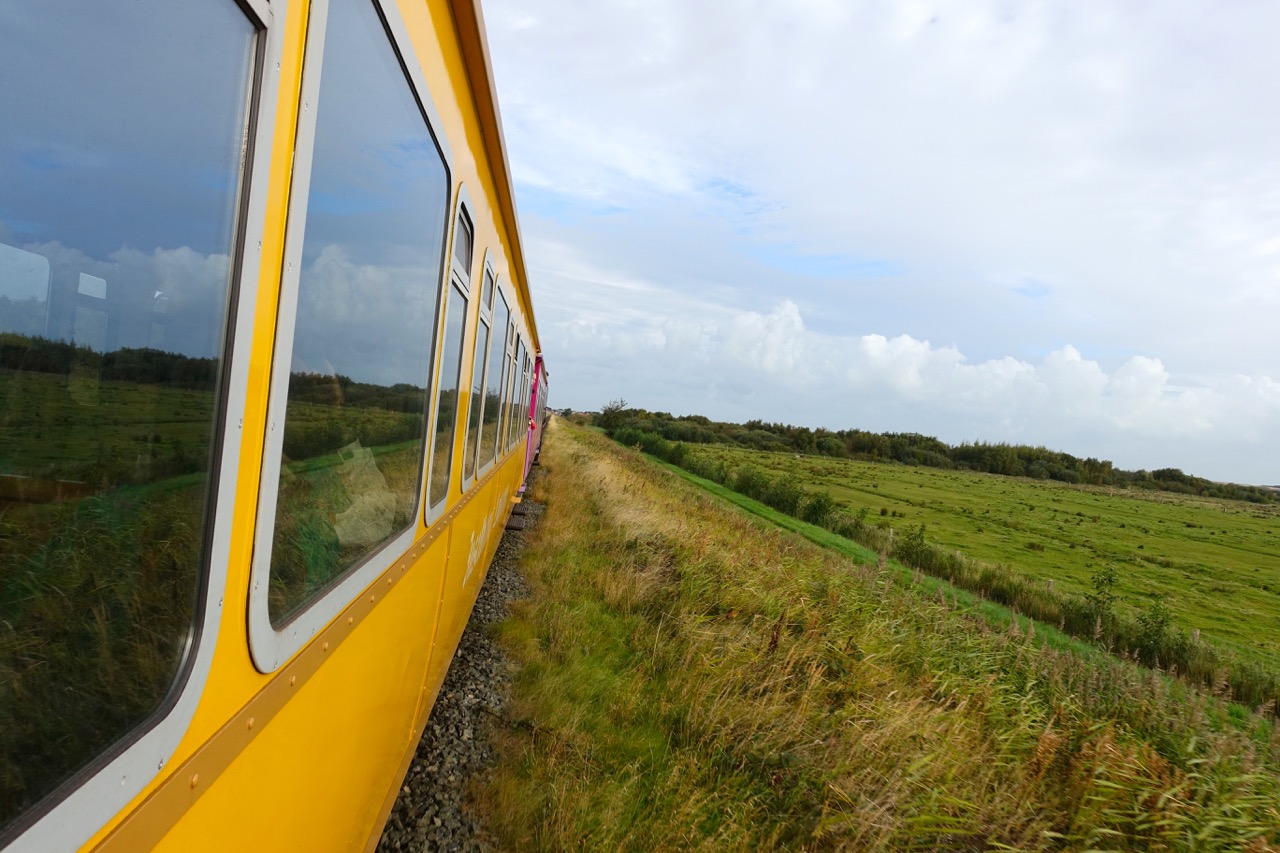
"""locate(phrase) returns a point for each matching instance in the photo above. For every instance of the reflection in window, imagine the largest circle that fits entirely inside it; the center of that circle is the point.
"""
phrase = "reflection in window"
(355, 422)
(120, 160)
(477, 399)
(526, 390)
(487, 297)
(522, 422)
(493, 386)
(513, 392)
(447, 396)
(462, 244)
(516, 428)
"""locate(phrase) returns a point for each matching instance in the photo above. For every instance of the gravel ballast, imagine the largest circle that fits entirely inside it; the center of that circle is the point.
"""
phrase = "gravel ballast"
(430, 812)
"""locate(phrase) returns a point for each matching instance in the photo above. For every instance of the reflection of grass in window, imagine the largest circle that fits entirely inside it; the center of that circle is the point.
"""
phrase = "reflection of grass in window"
(442, 451)
(96, 590)
(441, 458)
(488, 441)
(133, 434)
(308, 552)
(96, 603)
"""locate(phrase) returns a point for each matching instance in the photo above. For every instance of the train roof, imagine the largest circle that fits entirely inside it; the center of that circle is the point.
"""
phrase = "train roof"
(469, 21)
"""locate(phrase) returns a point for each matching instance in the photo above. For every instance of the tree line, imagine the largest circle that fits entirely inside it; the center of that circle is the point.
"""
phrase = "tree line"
(909, 448)
(149, 366)
(143, 365)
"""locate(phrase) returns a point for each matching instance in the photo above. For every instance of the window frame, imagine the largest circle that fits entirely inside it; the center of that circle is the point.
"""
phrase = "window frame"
(484, 466)
(484, 317)
(75, 811)
(271, 647)
(462, 207)
(513, 389)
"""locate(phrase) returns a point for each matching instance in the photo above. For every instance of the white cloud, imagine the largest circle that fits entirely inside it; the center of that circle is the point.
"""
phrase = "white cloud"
(1028, 183)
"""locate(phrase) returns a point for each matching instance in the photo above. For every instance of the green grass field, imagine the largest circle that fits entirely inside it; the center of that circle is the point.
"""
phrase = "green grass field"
(692, 677)
(1217, 562)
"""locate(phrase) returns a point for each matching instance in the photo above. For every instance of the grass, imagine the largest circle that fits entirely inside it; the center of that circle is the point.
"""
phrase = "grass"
(1216, 562)
(692, 677)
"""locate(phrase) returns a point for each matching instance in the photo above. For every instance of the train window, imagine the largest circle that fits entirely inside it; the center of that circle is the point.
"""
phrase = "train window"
(463, 244)
(478, 368)
(355, 371)
(523, 409)
(525, 391)
(447, 395)
(488, 289)
(513, 405)
(493, 386)
(122, 166)
(504, 407)
(477, 398)
(522, 395)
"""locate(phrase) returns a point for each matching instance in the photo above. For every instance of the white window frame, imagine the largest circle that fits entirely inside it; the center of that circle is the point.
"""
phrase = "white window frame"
(484, 316)
(461, 280)
(483, 467)
(272, 647)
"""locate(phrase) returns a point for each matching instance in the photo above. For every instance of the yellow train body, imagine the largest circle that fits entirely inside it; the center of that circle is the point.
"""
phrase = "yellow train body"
(308, 752)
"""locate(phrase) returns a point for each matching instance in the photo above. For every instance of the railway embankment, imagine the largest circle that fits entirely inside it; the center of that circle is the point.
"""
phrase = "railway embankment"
(690, 676)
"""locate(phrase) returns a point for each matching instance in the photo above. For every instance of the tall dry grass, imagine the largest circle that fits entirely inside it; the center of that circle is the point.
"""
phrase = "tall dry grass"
(692, 679)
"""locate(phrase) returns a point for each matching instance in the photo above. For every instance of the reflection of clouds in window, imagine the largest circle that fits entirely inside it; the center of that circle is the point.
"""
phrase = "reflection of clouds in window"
(375, 219)
(358, 318)
(124, 125)
(24, 291)
(23, 275)
(193, 287)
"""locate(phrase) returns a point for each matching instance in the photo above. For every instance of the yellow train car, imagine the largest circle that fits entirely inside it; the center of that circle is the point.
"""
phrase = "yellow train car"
(269, 386)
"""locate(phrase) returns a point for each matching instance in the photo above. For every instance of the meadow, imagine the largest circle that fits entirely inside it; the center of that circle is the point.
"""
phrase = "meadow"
(692, 677)
(1215, 562)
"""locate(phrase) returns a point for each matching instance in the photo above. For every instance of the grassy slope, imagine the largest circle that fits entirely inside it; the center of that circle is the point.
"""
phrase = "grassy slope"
(1216, 561)
(693, 678)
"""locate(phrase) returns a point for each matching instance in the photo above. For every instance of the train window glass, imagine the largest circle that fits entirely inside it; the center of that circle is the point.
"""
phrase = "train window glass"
(493, 386)
(488, 289)
(525, 391)
(447, 395)
(523, 417)
(505, 406)
(477, 399)
(523, 395)
(373, 238)
(528, 388)
(463, 244)
(513, 407)
(121, 162)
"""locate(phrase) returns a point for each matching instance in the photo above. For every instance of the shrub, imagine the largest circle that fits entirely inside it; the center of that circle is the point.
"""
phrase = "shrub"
(784, 494)
(752, 482)
(817, 509)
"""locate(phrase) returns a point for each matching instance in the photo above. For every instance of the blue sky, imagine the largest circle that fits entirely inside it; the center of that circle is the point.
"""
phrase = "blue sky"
(1043, 222)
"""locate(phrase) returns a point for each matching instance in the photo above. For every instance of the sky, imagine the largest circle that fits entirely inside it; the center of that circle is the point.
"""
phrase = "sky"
(1050, 223)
